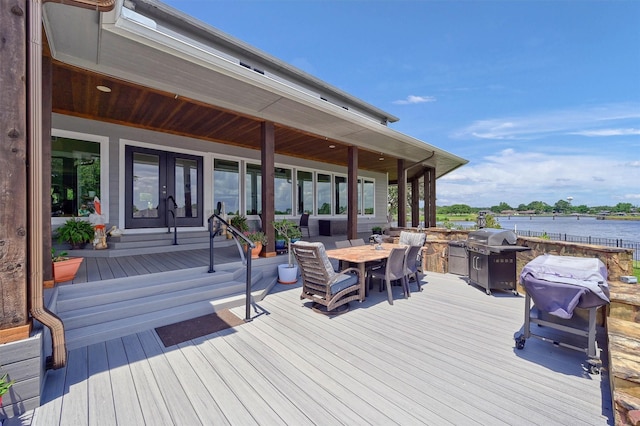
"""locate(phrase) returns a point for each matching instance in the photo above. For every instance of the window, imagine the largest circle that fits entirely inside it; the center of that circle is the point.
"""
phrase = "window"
(253, 189)
(75, 176)
(323, 194)
(226, 185)
(368, 199)
(283, 188)
(341, 198)
(305, 192)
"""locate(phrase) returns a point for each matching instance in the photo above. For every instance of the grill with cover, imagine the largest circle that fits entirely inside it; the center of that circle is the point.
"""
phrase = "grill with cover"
(559, 285)
(492, 259)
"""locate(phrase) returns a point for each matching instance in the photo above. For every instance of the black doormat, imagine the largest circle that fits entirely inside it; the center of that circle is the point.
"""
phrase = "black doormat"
(179, 332)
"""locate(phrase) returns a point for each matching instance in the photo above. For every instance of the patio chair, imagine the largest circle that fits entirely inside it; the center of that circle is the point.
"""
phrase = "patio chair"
(411, 265)
(394, 270)
(320, 283)
(357, 242)
(342, 244)
(412, 238)
(304, 223)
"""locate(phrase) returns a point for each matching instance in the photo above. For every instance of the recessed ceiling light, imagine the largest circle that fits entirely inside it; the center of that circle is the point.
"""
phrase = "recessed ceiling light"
(381, 158)
(332, 146)
(104, 89)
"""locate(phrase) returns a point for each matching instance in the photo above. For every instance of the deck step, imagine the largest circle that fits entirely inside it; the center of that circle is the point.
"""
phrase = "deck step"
(135, 244)
(108, 291)
(100, 311)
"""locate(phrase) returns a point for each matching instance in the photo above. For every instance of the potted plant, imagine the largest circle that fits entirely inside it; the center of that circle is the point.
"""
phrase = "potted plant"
(4, 386)
(259, 239)
(289, 230)
(376, 230)
(75, 232)
(240, 223)
(65, 268)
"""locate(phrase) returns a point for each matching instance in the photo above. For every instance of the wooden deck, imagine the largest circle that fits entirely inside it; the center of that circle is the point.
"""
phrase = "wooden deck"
(444, 356)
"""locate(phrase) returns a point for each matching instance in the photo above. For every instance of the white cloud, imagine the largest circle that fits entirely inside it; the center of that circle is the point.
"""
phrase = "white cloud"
(578, 121)
(517, 177)
(413, 99)
(607, 132)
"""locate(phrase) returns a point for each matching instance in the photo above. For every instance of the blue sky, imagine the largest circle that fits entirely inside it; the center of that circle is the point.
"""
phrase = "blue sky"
(542, 97)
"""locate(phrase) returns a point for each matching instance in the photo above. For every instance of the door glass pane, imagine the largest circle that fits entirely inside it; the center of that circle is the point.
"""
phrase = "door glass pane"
(253, 189)
(341, 194)
(305, 192)
(146, 185)
(75, 176)
(226, 185)
(282, 190)
(324, 194)
(186, 175)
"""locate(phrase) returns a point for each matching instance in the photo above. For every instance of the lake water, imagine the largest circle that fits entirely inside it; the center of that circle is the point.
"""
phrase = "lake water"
(627, 230)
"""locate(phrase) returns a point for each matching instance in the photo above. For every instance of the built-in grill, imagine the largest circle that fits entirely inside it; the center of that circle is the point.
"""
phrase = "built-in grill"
(492, 259)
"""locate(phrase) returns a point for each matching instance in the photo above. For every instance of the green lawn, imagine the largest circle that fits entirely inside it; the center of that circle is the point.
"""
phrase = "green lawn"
(636, 269)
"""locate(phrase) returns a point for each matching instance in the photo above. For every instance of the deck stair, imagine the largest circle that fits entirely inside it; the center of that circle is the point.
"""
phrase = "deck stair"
(98, 311)
(150, 243)
(623, 330)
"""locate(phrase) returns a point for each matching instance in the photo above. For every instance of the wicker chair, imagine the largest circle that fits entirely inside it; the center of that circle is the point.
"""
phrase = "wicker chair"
(394, 270)
(320, 283)
(411, 265)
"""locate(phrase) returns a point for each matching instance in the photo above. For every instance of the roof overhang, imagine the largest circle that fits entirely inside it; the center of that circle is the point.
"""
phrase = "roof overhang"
(172, 55)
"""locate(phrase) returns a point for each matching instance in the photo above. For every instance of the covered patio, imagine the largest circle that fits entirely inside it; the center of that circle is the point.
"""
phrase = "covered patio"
(446, 355)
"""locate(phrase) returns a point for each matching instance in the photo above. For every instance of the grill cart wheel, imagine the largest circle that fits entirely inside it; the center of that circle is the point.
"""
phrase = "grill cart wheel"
(520, 340)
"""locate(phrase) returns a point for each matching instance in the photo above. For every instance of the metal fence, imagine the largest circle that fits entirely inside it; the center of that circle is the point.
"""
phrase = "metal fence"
(610, 242)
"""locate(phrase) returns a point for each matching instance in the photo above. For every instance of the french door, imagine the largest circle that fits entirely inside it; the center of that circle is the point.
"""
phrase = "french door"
(154, 180)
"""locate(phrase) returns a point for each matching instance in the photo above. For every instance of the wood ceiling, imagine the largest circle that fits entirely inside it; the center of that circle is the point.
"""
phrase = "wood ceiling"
(75, 93)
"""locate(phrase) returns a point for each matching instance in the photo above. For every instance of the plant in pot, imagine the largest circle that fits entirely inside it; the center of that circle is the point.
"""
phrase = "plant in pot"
(5, 386)
(75, 232)
(259, 239)
(287, 229)
(376, 230)
(240, 223)
(65, 268)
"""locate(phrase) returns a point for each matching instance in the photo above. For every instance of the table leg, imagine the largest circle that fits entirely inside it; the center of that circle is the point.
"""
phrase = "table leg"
(363, 284)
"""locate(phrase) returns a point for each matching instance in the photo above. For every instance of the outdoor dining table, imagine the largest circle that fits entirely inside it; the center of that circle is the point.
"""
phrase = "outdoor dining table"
(360, 255)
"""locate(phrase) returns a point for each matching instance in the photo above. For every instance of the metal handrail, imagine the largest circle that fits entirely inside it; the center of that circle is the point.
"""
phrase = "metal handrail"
(173, 214)
(215, 225)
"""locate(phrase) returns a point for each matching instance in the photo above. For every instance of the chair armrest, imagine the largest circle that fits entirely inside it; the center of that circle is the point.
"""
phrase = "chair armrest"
(349, 270)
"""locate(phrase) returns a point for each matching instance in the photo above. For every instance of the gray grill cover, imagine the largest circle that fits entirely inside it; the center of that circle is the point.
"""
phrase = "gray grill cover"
(559, 284)
(493, 237)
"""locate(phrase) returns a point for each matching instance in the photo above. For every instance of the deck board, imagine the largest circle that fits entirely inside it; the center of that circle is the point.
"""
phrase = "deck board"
(446, 355)
(101, 407)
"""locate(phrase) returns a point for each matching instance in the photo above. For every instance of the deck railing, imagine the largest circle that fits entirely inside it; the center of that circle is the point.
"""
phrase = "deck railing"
(216, 225)
(608, 242)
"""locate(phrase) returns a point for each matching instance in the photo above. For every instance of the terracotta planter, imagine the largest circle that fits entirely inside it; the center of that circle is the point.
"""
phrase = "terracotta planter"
(255, 252)
(65, 270)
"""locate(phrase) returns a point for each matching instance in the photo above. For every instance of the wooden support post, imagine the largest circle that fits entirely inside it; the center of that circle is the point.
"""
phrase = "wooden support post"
(267, 155)
(13, 165)
(402, 194)
(415, 202)
(429, 197)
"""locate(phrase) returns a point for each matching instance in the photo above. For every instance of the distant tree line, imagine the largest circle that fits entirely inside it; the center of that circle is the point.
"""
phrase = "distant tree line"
(539, 207)
(536, 207)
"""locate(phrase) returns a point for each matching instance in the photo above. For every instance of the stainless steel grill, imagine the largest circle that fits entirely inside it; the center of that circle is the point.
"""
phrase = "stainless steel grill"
(492, 259)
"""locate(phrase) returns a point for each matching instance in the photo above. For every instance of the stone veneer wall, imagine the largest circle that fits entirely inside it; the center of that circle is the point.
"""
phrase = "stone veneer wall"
(619, 261)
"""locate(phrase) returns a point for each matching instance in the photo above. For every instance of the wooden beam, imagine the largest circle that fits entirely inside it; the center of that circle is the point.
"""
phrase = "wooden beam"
(415, 201)
(429, 197)
(402, 194)
(13, 164)
(352, 194)
(267, 156)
